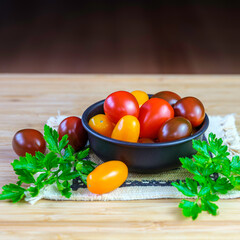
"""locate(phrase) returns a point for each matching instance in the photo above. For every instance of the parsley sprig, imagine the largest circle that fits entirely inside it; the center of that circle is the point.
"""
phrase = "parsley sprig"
(212, 157)
(58, 167)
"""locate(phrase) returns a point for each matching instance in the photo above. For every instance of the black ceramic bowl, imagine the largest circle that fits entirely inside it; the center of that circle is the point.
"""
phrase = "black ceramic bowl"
(140, 157)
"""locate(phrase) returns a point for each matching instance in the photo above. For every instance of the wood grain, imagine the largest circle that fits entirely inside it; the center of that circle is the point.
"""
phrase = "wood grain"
(29, 100)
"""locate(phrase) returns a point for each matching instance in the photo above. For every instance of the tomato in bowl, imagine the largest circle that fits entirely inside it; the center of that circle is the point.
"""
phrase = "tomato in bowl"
(140, 157)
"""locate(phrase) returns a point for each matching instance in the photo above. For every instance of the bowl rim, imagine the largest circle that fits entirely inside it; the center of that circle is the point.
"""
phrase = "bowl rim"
(201, 131)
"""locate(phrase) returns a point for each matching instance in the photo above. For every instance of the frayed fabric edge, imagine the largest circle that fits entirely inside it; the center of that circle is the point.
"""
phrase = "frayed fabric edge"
(228, 133)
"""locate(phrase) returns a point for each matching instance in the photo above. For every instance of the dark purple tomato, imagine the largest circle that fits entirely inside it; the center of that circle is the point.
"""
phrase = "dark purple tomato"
(77, 135)
(174, 129)
(28, 141)
(169, 96)
(194, 130)
(190, 108)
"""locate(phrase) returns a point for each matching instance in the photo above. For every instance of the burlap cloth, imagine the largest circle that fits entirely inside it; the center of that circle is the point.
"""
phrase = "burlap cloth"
(147, 186)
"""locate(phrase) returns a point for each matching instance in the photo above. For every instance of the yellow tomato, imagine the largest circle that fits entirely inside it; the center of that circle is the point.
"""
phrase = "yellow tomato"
(101, 124)
(127, 129)
(107, 177)
(141, 97)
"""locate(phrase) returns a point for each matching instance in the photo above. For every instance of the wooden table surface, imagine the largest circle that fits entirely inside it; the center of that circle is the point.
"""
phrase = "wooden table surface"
(27, 101)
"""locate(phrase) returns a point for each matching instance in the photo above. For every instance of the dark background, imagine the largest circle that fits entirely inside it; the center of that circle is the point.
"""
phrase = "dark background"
(119, 37)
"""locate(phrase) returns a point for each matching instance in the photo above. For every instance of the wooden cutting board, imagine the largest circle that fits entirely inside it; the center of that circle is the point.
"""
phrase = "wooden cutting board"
(27, 101)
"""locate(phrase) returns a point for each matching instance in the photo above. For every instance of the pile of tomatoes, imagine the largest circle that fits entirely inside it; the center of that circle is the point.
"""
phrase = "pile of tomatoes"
(103, 179)
(133, 117)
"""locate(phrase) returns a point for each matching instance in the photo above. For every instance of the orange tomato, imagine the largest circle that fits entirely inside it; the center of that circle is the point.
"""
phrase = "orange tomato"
(127, 129)
(101, 124)
(141, 97)
(107, 177)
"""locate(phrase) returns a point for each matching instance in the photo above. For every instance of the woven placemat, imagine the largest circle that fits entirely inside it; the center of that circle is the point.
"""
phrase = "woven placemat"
(147, 186)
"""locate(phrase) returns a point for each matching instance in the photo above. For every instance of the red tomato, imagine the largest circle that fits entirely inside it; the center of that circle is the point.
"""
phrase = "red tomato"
(77, 135)
(119, 104)
(152, 115)
(145, 140)
(190, 108)
(28, 141)
(127, 129)
(107, 177)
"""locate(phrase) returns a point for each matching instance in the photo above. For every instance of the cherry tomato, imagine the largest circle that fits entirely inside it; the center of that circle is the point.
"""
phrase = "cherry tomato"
(77, 135)
(152, 115)
(127, 129)
(119, 104)
(145, 140)
(169, 96)
(190, 108)
(107, 177)
(101, 124)
(141, 97)
(174, 129)
(28, 141)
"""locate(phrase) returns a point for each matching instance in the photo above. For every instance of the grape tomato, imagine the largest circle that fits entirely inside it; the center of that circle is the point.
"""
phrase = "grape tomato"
(190, 108)
(141, 97)
(174, 129)
(152, 115)
(127, 129)
(119, 104)
(28, 141)
(77, 135)
(101, 124)
(107, 177)
(170, 97)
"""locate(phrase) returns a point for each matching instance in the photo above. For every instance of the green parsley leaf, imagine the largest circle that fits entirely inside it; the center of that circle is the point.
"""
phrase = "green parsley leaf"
(235, 165)
(51, 137)
(51, 160)
(83, 154)
(222, 185)
(201, 147)
(189, 164)
(210, 207)
(56, 167)
(211, 158)
(183, 188)
(68, 176)
(192, 185)
(12, 192)
(190, 209)
(69, 152)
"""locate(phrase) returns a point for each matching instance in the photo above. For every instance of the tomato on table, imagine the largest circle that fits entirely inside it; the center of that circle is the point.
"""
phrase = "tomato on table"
(77, 135)
(107, 177)
(119, 104)
(152, 115)
(190, 108)
(127, 129)
(141, 97)
(28, 141)
(101, 124)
